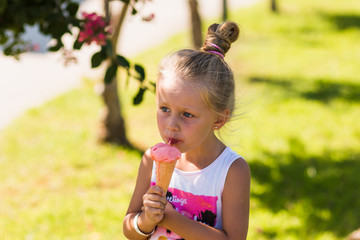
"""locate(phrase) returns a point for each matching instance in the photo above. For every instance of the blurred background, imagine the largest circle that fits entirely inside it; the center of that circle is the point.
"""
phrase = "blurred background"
(75, 120)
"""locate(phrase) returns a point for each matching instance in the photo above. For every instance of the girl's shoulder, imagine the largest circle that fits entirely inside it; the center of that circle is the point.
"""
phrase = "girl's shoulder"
(241, 163)
(237, 161)
(239, 171)
(229, 158)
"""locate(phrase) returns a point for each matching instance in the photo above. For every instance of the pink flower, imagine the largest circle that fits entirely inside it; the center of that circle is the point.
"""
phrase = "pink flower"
(101, 39)
(148, 18)
(94, 29)
(89, 32)
(84, 14)
(82, 37)
(101, 36)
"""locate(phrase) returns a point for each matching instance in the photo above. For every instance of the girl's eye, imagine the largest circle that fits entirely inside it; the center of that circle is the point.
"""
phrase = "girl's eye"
(164, 109)
(188, 115)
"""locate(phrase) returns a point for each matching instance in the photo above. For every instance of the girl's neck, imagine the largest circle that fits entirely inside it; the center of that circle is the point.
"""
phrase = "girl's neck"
(202, 156)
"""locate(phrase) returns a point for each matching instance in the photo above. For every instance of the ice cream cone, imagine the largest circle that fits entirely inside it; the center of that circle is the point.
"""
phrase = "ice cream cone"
(165, 158)
(164, 172)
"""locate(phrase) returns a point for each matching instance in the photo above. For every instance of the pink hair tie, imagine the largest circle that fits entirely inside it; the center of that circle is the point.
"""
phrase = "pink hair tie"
(215, 46)
(220, 54)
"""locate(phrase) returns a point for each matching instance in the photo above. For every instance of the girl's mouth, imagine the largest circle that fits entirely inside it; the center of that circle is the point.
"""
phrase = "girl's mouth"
(172, 141)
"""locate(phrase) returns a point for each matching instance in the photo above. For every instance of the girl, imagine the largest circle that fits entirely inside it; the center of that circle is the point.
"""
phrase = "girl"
(208, 196)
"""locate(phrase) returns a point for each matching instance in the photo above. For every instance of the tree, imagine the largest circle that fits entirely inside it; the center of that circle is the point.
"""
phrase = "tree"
(225, 10)
(54, 18)
(195, 24)
(58, 17)
(274, 6)
(113, 128)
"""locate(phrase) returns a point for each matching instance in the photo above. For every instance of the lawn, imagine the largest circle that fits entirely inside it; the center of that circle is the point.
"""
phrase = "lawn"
(297, 125)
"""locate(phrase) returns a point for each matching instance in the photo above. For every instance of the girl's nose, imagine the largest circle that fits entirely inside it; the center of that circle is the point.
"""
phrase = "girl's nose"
(173, 124)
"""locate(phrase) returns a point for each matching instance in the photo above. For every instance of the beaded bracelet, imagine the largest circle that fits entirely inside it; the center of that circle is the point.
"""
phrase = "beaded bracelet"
(137, 227)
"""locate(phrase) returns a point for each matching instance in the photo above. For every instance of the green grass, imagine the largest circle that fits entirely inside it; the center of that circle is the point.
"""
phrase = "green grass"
(299, 104)
(57, 181)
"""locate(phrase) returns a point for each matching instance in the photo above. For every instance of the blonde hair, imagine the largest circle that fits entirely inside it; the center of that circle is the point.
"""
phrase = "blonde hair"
(206, 69)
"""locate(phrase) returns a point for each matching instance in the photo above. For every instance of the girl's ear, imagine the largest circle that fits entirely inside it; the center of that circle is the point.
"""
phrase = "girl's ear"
(221, 119)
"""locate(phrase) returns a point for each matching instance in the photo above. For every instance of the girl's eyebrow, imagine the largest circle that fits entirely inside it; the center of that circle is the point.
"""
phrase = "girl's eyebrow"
(190, 108)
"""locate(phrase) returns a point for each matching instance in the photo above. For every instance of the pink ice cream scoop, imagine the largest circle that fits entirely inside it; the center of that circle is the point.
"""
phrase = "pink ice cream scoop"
(165, 157)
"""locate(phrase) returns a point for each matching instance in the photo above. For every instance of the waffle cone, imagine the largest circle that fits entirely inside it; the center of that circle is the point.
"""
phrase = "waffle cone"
(164, 171)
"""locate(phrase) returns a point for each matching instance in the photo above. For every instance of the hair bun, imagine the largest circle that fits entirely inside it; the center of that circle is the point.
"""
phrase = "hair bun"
(222, 35)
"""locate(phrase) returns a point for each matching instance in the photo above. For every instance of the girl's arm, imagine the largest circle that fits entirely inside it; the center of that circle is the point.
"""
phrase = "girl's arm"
(152, 200)
(235, 210)
(236, 200)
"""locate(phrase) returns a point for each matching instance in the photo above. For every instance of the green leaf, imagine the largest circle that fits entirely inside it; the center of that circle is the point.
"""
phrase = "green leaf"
(56, 47)
(77, 44)
(154, 85)
(123, 62)
(3, 38)
(139, 69)
(109, 48)
(8, 51)
(2, 6)
(59, 26)
(139, 96)
(72, 8)
(134, 11)
(110, 73)
(97, 59)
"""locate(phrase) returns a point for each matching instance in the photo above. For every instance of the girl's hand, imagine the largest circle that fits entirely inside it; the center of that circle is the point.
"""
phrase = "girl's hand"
(154, 202)
(169, 209)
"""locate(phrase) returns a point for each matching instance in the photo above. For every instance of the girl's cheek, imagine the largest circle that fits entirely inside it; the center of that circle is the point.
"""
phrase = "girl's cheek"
(161, 123)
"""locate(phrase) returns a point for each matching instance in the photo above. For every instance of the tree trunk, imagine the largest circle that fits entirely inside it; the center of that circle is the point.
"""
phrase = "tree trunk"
(225, 11)
(195, 24)
(274, 7)
(113, 125)
(112, 128)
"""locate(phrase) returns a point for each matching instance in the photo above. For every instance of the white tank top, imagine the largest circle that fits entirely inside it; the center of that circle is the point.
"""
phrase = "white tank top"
(198, 195)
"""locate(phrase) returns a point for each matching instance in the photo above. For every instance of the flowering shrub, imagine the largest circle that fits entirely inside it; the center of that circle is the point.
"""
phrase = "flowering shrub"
(94, 29)
(55, 18)
(148, 18)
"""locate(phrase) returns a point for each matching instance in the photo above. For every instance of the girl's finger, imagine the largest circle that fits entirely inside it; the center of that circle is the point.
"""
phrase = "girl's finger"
(157, 190)
(154, 211)
(148, 202)
(154, 198)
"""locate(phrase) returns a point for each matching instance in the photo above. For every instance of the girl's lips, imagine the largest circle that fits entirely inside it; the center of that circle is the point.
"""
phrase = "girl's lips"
(173, 141)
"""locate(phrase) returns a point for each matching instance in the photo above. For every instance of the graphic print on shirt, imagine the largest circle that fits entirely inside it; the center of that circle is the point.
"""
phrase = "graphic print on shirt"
(200, 208)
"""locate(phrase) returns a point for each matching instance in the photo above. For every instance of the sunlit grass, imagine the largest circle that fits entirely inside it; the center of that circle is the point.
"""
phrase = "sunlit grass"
(57, 181)
(298, 103)
(301, 134)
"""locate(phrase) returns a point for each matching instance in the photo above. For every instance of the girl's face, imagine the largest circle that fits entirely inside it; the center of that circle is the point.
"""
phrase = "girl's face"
(183, 118)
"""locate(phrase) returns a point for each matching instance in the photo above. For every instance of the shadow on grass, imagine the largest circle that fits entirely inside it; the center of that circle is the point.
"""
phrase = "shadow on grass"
(323, 90)
(344, 22)
(326, 187)
(132, 147)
